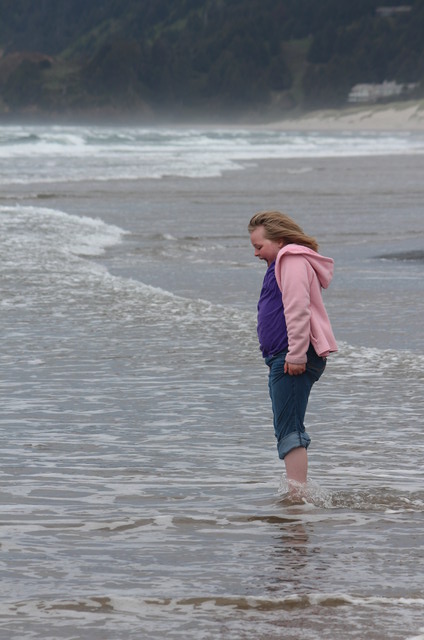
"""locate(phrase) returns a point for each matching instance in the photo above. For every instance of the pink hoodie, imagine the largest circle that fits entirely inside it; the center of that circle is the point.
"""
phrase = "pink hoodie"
(301, 273)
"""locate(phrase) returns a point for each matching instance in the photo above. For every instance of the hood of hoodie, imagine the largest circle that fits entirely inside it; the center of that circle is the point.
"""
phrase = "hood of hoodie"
(323, 267)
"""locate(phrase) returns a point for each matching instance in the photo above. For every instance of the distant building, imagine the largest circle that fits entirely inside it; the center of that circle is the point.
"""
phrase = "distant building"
(362, 93)
(385, 12)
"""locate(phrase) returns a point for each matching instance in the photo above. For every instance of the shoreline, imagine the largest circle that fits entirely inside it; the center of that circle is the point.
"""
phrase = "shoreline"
(394, 116)
(388, 117)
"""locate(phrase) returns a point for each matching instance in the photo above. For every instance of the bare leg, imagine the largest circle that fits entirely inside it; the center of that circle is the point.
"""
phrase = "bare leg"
(296, 462)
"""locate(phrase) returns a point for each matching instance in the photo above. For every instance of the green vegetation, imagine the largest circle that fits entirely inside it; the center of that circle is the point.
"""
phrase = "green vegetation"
(211, 56)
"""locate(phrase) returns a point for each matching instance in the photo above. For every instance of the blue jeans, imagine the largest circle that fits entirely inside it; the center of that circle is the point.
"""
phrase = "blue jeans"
(289, 398)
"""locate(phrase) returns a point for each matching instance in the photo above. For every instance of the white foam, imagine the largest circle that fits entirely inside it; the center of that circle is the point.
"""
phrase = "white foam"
(79, 235)
(372, 361)
(419, 637)
(48, 154)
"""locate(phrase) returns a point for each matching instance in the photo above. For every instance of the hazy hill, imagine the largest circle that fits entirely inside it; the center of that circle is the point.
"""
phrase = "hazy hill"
(208, 56)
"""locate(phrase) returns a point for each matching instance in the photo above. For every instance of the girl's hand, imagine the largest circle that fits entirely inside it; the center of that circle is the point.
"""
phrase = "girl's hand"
(294, 369)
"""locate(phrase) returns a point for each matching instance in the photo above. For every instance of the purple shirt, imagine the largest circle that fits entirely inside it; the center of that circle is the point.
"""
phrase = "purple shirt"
(272, 330)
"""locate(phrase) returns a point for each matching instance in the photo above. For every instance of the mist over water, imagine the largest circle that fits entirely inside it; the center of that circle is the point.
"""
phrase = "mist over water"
(141, 493)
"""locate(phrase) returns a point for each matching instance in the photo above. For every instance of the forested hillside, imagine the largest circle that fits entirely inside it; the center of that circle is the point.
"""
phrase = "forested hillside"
(211, 56)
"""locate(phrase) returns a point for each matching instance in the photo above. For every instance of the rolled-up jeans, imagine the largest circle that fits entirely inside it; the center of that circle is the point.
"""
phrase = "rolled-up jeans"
(289, 398)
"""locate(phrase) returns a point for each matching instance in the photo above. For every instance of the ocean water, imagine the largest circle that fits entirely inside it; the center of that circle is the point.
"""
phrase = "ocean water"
(140, 491)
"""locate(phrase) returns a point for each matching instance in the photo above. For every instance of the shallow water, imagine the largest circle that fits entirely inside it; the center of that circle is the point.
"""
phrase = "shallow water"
(141, 494)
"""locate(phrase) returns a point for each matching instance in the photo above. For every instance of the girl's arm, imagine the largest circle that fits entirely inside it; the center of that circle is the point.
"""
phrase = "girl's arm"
(295, 286)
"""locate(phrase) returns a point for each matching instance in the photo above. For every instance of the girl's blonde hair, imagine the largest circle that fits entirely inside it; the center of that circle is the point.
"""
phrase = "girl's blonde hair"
(279, 227)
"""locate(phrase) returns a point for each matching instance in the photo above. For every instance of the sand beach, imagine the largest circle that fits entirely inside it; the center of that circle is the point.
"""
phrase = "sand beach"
(396, 116)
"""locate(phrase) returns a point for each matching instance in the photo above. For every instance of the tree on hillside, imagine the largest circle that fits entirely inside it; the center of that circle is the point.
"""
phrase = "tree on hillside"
(192, 53)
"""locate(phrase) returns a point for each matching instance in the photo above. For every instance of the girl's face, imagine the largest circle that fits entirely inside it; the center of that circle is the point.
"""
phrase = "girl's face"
(264, 249)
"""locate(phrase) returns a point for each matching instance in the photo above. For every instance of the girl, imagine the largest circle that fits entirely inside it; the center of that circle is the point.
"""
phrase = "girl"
(294, 331)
